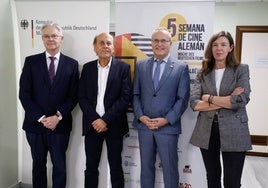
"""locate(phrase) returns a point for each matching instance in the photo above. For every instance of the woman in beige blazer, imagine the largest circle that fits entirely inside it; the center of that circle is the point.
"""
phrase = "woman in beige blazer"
(220, 93)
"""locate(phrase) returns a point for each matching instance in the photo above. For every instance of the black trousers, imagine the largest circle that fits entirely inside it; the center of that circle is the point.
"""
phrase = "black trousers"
(93, 149)
(233, 163)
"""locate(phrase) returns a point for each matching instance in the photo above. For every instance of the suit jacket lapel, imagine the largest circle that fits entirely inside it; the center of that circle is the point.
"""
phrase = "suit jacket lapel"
(227, 80)
(44, 68)
(167, 71)
(112, 73)
(211, 83)
(92, 75)
(149, 73)
(60, 69)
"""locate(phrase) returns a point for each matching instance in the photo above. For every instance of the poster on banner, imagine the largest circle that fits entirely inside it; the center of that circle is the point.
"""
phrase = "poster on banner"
(81, 21)
(191, 25)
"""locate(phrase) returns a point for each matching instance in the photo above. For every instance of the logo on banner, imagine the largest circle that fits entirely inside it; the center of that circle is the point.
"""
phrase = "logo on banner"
(185, 185)
(130, 163)
(24, 24)
(187, 169)
(37, 24)
(190, 36)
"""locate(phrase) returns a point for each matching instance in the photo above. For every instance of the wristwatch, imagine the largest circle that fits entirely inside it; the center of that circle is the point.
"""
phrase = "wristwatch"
(58, 114)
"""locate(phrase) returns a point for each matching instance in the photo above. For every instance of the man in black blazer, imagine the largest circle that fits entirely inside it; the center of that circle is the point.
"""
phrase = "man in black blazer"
(48, 94)
(104, 95)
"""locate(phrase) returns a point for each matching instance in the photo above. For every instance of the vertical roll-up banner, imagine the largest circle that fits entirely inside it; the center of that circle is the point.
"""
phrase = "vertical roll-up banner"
(191, 25)
(81, 22)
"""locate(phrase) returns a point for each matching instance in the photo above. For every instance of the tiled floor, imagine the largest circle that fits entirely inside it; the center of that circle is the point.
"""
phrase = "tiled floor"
(255, 174)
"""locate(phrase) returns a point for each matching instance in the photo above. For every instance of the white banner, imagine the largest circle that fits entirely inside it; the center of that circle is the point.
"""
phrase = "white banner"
(191, 25)
(81, 22)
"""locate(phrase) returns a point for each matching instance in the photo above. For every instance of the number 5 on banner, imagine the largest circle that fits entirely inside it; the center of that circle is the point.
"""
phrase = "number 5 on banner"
(172, 23)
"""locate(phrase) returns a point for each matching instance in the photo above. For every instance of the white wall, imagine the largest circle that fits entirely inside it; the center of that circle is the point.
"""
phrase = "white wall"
(229, 15)
(8, 99)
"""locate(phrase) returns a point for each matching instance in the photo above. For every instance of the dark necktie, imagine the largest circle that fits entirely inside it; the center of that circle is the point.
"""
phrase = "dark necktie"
(156, 73)
(51, 70)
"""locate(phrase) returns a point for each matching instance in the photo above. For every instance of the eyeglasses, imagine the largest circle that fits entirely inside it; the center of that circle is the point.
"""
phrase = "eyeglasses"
(162, 41)
(53, 37)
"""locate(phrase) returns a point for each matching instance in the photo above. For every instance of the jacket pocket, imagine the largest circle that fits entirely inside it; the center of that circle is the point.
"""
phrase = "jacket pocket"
(243, 118)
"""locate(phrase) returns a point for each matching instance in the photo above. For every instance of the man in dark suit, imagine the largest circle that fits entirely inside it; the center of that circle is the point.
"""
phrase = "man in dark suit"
(104, 95)
(48, 93)
(161, 93)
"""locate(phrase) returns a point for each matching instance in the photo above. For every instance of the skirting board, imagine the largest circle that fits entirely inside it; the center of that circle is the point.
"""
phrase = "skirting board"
(260, 146)
(22, 185)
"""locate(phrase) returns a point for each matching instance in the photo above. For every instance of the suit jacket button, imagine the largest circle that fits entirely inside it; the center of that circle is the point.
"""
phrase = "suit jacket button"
(154, 95)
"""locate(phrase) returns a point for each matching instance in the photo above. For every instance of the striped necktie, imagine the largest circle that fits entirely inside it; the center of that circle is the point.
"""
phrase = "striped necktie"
(157, 73)
(51, 70)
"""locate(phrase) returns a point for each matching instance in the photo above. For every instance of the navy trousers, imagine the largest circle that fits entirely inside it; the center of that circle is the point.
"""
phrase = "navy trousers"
(56, 145)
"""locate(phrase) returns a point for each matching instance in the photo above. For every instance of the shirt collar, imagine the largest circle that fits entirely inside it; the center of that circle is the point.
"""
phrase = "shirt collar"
(164, 60)
(107, 66)
(57, 55)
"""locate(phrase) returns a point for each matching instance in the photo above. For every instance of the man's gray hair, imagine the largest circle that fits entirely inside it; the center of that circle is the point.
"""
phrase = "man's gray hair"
(57, 26)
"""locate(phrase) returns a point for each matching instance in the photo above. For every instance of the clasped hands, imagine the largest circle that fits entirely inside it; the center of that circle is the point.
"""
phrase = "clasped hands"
(153, 123)
(99, 125)
(50, 122)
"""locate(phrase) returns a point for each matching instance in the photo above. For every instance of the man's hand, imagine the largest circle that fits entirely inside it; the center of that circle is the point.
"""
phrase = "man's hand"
(99, 125)
(50, 122)
(154, 123)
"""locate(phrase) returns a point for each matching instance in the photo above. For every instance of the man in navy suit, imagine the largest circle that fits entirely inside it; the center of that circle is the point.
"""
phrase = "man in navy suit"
(161, 93)
(104, 95)
(48, 94)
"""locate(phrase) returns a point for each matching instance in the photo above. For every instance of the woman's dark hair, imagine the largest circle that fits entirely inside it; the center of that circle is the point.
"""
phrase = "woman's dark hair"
(209, 61)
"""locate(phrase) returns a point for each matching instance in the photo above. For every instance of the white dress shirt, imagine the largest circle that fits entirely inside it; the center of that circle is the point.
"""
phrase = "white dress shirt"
(56, 60)
(162, 66)
(103, 73)
(218, 77)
